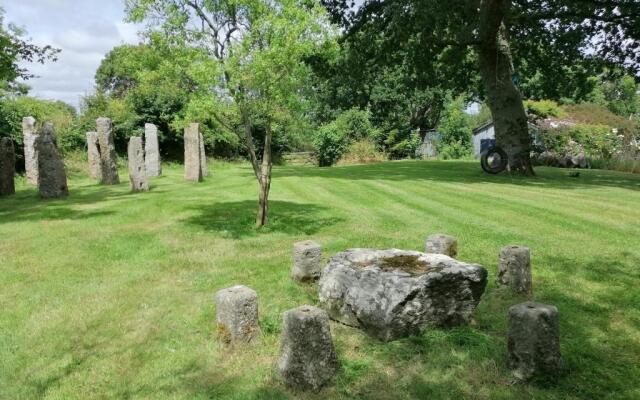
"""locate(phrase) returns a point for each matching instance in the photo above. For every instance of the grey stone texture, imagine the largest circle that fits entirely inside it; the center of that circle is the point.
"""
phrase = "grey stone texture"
(533, 343)
(514, 269)
(93, 156)
(396, 293)
(203, 156)
(237, 315)
(108, 157)
(152, 158)
(442, 244)
(192, 153)
(307, 257)
(137, 170)
(7, 167)
(308, 358)
(29, 134)
(52, 178)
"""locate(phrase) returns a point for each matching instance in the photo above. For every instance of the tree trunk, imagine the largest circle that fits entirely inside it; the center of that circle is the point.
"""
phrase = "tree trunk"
(504, 99)
(265, 179)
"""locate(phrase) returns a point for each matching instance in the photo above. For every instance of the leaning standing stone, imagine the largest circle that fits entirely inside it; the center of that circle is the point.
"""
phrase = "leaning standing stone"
(108, 158)
(307, 357)
(152, 151)
(533, 340)
(514, 268)
(52, 179)
(237, 315)
(137, 172)
(29, 135)
(192, 155)
(442, 244)
(7, 167)
(203, 156)
(306, 261)
(93, 153)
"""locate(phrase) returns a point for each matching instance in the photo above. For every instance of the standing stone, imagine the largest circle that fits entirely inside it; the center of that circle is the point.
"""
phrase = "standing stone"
(442, 244)
(108, 158)
(137, 170)
(7, 167)
(514, 269)
(152, 160)
(533, 340)
(52, 179)
(307, 357)
(29, 135)
(192, 154)
(203, 157)
(93, 153)
(237, 315)
(306, 261)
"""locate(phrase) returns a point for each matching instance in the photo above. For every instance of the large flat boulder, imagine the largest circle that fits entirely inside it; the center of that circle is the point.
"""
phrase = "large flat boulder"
(396, 293)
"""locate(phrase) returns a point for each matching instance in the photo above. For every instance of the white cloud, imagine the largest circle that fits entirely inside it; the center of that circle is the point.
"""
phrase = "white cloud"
(84, 30)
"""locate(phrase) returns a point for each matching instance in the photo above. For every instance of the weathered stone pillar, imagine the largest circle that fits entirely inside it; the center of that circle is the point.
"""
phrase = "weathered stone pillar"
(108, 157)
(192, 153)
(442, 244)
(152, 151)
(93, 153)
(307, 256)
(533, 340)
(137, 170)
(307, 357)
(7, 167)
(29, 135)
(237, 315)
(52, 179)
(203, 156)
(514, 269)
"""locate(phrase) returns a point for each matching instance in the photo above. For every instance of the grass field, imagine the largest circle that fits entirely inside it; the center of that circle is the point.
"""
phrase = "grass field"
(108, 294)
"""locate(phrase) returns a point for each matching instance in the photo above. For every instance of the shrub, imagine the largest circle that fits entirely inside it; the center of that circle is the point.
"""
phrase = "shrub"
(362, 152)
(402, 143)
(544, 108)
(454, 150)
(330, 144)
(455, 131)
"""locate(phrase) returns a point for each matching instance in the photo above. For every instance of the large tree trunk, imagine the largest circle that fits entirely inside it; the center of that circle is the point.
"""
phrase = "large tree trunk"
(265, 179)
(504, 99)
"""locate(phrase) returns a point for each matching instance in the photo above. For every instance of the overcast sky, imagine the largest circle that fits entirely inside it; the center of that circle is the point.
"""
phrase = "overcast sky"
(85, 30)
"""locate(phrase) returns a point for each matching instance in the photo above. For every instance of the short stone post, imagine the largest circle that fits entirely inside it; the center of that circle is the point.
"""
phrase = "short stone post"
(237, 315)
(514, 269)
(307, 257)
(93, 155)
(137, 170)
(52, 178)
(442, 244)
(29, 135)
(533, 340)
(307, 357)
(192, 155)
(203, 156)
(108, 157)
(7, 167)
(152, 160)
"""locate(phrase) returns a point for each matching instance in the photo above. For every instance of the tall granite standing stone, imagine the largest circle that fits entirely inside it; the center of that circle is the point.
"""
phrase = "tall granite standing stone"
(137, 170)
(237, 315)
(93, 153)
(108, 158)
(307, 257)
(514, 269)
(152, 160)
(203, 156)
(307, 357)
(192, 153)
(52, 179)
(29, 134)
(533, 343)
(442, 244)
(7, 167)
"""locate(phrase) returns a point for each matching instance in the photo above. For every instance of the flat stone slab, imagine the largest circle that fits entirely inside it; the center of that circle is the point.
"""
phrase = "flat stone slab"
(396, 293)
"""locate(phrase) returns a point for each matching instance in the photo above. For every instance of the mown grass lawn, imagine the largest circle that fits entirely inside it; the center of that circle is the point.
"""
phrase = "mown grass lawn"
(109, 294)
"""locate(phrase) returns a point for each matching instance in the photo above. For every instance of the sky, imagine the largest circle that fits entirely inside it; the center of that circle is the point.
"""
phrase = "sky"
(85, 30)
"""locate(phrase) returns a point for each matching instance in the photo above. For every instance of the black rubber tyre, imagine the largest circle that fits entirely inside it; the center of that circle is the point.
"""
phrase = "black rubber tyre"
(494, 160)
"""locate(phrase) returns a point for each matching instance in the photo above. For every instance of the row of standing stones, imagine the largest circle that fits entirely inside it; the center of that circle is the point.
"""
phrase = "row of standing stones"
(44, 166)
(392, 294)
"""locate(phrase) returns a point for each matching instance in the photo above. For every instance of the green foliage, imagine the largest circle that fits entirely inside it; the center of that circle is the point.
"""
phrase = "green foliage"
(455, 131)
(330, 143)
(544, 108)
(620, 94)
(597, 141)
(594, 114)
(400, 143)
(362, 151)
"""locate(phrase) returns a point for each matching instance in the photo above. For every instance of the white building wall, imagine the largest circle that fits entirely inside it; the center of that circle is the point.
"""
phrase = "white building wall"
(486, 133)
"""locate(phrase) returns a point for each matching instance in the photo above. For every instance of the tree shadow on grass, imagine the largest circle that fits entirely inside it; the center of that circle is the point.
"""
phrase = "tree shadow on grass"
(237, 219)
